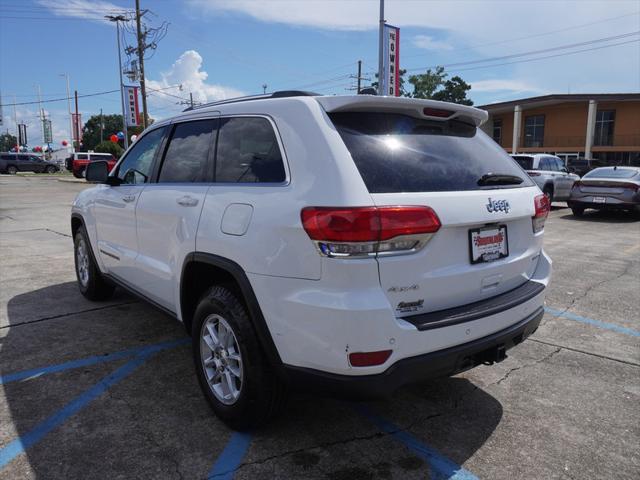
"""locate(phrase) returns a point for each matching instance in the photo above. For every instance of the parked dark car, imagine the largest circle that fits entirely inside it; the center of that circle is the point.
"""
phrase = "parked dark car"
(25, 162)
(607, 188)
(582, 166)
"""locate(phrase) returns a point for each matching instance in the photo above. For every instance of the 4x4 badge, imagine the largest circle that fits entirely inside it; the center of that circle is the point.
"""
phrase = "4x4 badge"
(498, 206)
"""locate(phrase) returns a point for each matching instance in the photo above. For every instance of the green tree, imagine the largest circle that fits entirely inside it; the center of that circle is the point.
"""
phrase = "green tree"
(403, 92)
(112, 125)
(455, 91)
(7, 142)
(426, 84)
(109, 147)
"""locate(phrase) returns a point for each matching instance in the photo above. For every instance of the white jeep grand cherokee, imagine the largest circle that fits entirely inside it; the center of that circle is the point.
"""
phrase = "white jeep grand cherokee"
(345, 244)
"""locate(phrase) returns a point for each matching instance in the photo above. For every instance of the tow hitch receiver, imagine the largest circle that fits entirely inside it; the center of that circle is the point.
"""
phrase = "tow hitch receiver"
(493, 355)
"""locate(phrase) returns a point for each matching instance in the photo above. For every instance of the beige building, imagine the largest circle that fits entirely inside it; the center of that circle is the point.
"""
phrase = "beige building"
(603, 126)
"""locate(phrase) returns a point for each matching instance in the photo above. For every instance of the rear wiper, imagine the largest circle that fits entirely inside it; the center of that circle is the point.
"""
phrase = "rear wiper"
(499, 179)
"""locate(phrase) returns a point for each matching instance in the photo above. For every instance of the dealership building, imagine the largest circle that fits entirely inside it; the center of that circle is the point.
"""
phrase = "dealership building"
(603, 126)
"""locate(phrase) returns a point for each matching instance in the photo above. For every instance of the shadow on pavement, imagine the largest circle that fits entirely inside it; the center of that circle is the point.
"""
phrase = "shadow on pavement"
(155, 423)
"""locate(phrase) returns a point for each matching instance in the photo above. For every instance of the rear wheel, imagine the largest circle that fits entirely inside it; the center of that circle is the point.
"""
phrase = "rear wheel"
(232, 370)
(548, 192)
(90, 281)
(11, 170)
(51, 169)
(577, 211)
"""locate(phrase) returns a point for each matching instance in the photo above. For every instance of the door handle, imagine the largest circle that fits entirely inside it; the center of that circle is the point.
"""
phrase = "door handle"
(129, 198)
(187, 201)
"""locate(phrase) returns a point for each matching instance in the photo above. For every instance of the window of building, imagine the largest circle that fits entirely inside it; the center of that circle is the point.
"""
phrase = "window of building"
(497, 131)
(188, 152)
(534, 131)
(605, 120)
(248, 152)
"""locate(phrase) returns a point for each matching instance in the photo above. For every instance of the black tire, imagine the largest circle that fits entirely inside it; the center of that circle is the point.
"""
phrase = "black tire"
(577, 211)
(78, 173)
(93, 287)
(12, 170)
(548, 191)
(50, 169)
(262, 394)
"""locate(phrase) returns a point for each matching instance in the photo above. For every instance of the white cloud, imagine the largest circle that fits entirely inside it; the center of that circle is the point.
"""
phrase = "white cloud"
(429, 43)
(186, 71)
(89, 9)
(505, 85)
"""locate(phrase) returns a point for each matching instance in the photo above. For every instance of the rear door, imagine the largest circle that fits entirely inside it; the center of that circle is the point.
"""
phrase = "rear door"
(406, 160)
(169, 209)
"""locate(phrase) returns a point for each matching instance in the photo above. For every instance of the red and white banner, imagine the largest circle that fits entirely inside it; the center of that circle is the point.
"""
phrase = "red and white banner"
(391, 61)
(76, 121)
(131, 106)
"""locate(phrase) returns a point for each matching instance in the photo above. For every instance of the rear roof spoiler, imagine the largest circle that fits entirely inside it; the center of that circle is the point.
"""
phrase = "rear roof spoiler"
(416, 107)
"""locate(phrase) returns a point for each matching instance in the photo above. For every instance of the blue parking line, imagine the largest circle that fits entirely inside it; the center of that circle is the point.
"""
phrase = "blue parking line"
(19, 445)
(441, 467)
(590, 321)
(231, 457)
(84, 362)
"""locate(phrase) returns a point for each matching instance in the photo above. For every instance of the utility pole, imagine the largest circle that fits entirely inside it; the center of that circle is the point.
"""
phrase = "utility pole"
(15, 119)
(381, 49)
(102, 127)
(264, 88)
(66, 75)
(41, 113)
(118, 19)
(191, 98)
(77, 122)
(358, 78)
(359, 75)
(141, 48)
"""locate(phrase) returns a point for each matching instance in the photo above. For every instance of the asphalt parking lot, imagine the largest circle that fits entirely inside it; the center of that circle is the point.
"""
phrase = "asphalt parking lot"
(108, 390)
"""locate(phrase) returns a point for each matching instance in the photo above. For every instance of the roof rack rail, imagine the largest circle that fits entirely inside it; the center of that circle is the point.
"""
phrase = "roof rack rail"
(279, 94)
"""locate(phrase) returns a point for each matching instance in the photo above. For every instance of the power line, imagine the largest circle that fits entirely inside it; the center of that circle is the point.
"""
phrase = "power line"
(549, 32)
(63, 99)
(532, 52)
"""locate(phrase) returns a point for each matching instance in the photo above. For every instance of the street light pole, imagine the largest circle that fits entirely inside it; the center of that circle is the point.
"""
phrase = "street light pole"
(380, 48)
(66, 75)
(118, 19)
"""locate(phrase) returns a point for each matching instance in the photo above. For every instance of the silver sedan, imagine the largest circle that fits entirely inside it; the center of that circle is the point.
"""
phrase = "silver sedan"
(607, 188)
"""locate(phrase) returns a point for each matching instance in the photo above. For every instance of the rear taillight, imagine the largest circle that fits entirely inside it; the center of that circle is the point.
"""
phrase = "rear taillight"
(577, 184)
(369, 359)
(369, 231)
(631, 186)
(542, 208)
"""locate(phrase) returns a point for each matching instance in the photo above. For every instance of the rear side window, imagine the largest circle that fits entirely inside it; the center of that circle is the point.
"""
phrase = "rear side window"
(83, 156)
(399, 153)
(97, 158)
(248, 152)
(188, 152)
(524, 161)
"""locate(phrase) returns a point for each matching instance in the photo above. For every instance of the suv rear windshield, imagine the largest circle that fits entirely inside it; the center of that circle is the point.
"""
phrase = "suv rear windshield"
(524, 161)
(399, 153)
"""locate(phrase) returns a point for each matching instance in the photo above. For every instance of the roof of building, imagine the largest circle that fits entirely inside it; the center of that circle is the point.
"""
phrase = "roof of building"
(559, 98)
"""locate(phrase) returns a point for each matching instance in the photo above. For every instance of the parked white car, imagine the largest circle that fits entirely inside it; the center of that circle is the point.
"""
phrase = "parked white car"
(549, 173)
(345, 245)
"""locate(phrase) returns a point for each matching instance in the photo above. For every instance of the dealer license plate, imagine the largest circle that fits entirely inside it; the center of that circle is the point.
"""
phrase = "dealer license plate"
(599, 199)
(488, 244)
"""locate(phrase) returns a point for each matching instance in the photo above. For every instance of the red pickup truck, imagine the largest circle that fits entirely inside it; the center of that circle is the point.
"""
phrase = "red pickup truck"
(77, 162)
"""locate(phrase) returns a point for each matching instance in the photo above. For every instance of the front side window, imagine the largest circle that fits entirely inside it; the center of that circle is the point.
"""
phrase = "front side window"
(136, 166)
(534, 131)
(544, 164)
(497, 131)
(97, 158)
(188, 152)
(605, 120)
(524, 161)
(248, 152)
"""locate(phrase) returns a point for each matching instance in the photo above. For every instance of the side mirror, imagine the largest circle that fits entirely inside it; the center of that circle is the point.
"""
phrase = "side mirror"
(564, 169)
(97, 172)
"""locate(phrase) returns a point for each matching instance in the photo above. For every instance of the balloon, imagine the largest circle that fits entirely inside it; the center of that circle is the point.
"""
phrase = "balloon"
(134, 138)
(114, 138)
(120, 136)
(64, 143)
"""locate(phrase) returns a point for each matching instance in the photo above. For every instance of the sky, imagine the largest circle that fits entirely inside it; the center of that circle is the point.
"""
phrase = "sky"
(220, 49)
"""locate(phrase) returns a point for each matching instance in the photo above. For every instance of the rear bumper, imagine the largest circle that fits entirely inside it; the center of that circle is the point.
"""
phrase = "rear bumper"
(442, 363)
(612, 203)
